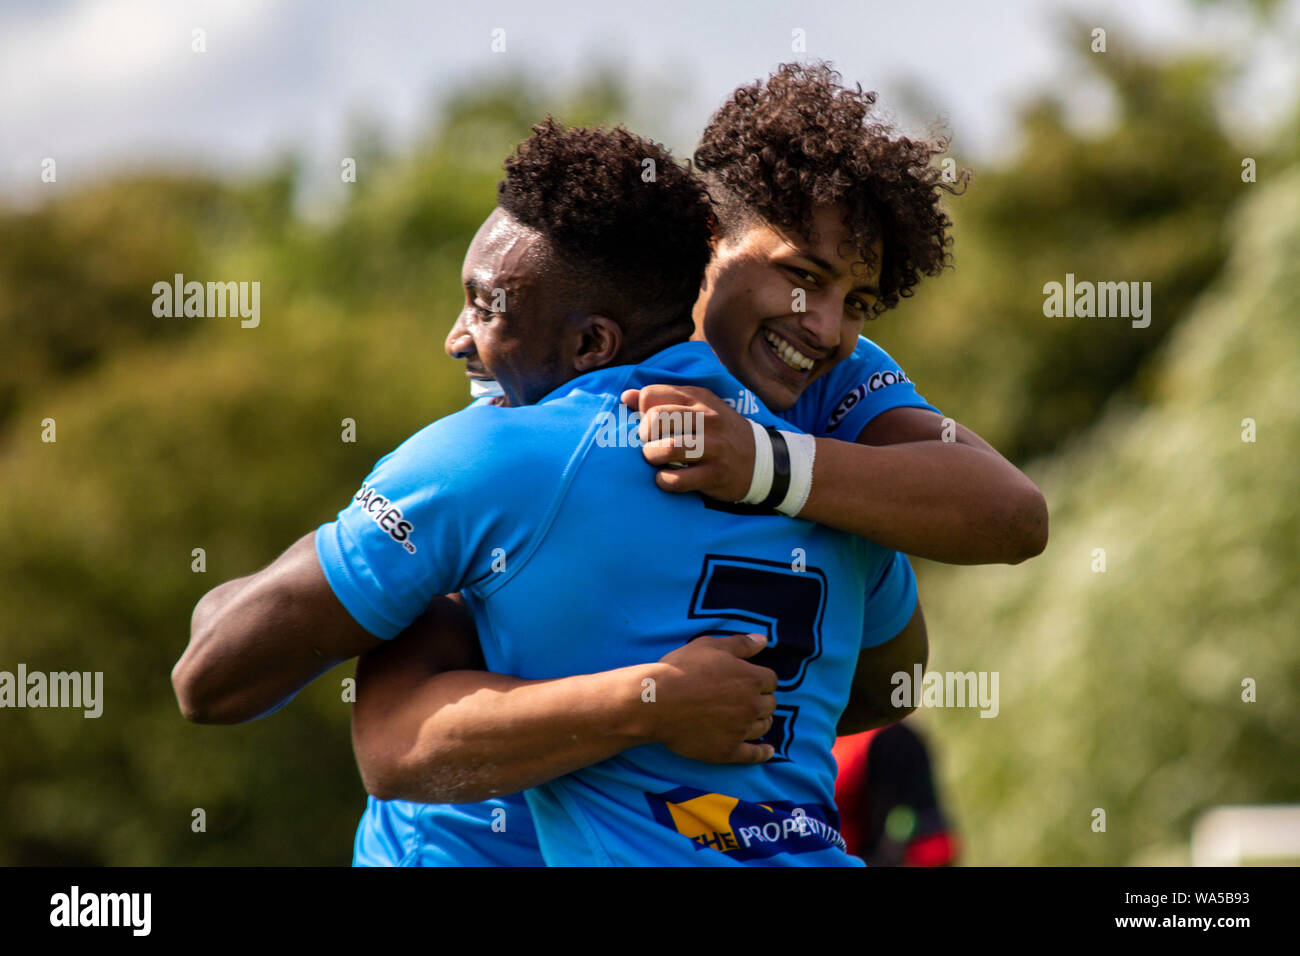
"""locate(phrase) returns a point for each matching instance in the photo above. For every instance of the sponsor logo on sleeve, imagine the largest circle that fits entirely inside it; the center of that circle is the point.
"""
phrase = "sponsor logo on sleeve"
(387, 515)
(877, 381)
(745, 403)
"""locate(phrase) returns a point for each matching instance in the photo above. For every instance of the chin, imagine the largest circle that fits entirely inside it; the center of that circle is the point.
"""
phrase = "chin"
(777, 397)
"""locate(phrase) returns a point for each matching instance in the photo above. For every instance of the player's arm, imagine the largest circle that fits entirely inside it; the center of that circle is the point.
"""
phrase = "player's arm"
(873, 682)
(424, 729)
(338, 591)
(257, 640)
(901, 484)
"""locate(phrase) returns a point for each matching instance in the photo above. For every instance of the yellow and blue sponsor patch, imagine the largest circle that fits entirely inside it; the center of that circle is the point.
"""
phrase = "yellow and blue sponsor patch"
(743, 830)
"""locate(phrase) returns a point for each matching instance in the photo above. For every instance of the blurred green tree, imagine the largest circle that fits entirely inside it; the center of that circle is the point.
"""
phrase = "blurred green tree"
(1123, 689)
(1141, 201)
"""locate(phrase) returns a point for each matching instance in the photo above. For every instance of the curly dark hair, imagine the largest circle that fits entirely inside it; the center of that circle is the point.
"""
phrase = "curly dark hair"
(778, 148)
(637, 232)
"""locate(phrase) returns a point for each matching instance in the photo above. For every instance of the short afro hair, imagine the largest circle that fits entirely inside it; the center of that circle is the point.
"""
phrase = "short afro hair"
(778, 148)
(632, 223)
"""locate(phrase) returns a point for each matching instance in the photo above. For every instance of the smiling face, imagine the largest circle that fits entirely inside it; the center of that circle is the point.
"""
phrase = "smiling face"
(510, 328)
(748, 311)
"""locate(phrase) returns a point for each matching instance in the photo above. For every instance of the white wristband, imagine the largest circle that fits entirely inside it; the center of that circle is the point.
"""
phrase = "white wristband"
(760, 485)
(803, 450)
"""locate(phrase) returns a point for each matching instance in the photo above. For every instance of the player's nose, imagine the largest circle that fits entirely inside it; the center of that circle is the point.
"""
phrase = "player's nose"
(821, 325)
(459, 344)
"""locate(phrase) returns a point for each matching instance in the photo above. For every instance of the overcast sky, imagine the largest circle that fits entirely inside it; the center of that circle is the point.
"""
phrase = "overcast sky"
(100, 83)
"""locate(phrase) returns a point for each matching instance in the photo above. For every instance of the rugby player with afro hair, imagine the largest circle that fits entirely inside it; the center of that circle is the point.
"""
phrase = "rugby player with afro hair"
(601, 268)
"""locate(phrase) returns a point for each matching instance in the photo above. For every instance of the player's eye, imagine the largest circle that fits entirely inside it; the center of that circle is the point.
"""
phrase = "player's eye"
(860, 306)
(803, 275)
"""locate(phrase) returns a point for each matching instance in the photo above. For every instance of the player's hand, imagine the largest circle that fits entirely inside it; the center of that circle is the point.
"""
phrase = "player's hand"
(709, 700)
(693, 427)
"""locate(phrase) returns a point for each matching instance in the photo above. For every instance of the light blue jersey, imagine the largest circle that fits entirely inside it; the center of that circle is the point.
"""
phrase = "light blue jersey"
(591, 560)
(492, 833)
(496, 832)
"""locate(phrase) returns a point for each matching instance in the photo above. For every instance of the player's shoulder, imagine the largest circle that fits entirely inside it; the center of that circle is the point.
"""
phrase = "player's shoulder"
(868, 353)
(868, 382)
(866, 359)
(695, 364)
(451, 434)
(478, 446)
(483, 423)
(687, 363)
(870, 368)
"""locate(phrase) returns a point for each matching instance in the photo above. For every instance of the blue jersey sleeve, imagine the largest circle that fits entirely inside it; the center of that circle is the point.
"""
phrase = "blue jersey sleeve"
(845, 399)
(434, 516)
(890, 602)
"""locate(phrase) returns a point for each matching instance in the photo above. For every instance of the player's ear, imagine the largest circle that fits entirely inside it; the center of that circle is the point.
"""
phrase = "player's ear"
(599, 342)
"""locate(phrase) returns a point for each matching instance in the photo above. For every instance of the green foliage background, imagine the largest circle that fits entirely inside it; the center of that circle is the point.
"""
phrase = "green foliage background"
(1123, 689)
(1119, 690)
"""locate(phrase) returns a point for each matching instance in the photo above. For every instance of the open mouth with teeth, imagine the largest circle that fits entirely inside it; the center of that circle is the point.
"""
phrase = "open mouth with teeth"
(787, 353)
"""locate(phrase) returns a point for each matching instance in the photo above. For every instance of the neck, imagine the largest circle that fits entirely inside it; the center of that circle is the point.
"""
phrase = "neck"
(697, 317)
(665, 337)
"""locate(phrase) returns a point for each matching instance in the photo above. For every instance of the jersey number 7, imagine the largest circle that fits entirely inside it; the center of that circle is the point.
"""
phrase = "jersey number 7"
(774, 599)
